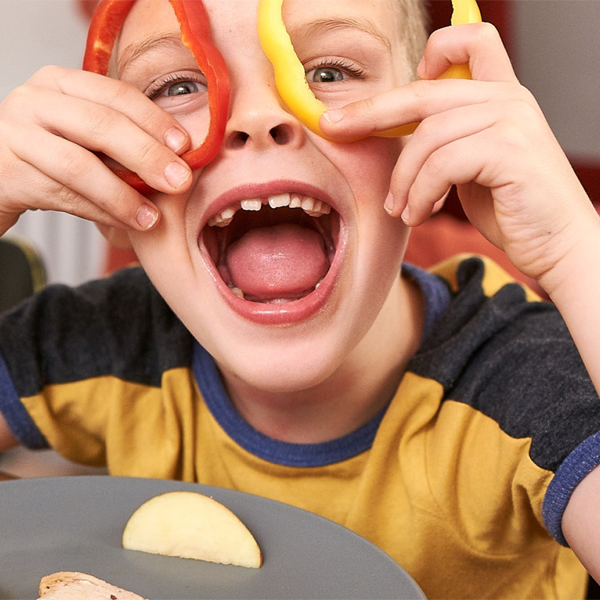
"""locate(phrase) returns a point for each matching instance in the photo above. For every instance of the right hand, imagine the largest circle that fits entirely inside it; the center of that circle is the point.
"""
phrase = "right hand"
(51, 128)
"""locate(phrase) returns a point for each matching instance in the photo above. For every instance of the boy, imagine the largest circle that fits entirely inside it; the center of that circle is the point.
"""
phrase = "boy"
(437, 416)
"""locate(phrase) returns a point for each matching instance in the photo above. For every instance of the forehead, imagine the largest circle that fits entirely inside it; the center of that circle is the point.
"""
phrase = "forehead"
(155, 18)
(148, 19)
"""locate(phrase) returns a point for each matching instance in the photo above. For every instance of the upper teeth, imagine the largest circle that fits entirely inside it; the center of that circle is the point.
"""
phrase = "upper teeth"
(313, 207)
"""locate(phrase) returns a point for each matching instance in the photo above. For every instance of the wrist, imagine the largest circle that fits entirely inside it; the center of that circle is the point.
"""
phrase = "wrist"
(577, 264)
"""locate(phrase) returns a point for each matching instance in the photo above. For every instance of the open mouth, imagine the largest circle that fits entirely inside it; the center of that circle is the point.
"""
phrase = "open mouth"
(273, 252)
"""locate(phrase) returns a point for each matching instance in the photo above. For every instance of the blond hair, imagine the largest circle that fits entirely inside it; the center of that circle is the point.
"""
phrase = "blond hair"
(413, 18)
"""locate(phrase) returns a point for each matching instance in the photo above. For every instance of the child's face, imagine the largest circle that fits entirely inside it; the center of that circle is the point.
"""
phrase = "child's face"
(285, 337)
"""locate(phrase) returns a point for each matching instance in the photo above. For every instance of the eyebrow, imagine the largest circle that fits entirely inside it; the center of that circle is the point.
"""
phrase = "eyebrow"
(342, 23)
(134, 52)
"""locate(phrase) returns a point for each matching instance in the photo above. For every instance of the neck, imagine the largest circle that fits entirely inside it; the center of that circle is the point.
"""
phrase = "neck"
(357, 390)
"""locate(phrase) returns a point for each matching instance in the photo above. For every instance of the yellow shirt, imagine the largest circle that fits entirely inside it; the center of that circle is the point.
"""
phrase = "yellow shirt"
(450, 479)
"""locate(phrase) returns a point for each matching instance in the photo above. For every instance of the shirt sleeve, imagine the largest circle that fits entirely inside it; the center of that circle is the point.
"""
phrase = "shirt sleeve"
(63, 338)
(17, 418)
(568, 476)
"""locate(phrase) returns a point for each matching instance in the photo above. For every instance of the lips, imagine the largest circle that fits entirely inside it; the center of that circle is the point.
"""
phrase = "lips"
(274, 251)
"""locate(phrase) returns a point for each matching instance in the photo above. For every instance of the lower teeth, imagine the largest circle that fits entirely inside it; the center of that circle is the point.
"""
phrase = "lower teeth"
(236, 291)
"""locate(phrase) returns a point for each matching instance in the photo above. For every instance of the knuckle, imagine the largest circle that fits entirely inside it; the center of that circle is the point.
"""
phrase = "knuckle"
(436, 162)
(49, 75)
(485, 32)
(366, 110)
(150, 154)
(147, 115)
(122, 205)
(8, 169)
(423, 89)
(74, 166)
(518, 128)
(70, 200)
(101, 123)
(18, 101)
(118, 93)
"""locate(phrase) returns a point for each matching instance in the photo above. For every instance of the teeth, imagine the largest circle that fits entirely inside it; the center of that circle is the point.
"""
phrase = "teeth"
(240, 294)
(254, 205)
(279, 200)
(308, 205)
(237, 292)
(311, 206)
(223, 219)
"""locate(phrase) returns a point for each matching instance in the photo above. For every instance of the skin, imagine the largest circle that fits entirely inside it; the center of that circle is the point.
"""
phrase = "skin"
(341, 343)
(325, 375)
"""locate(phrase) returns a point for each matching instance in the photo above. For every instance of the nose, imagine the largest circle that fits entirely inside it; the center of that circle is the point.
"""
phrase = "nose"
(258, 118)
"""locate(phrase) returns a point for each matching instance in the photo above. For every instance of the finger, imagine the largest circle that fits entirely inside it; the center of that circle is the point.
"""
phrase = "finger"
(517, 120)
(46, 194)
(119, 96)
(478, 44)
(76, 181)
(413, 102)
(153, 137)
(434, 134)
(102, 129)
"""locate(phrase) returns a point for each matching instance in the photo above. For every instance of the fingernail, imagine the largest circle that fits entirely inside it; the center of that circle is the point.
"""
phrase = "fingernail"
(405, 216)
(333, 116)
(146, 216)
(175, 139)
(388, 205)
(177, 174)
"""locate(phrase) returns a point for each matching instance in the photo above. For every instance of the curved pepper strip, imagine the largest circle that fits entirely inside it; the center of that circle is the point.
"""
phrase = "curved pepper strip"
(195, 35)
(290, 77)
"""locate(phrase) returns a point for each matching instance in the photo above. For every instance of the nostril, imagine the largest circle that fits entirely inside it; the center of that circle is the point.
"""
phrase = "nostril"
(281, 135)
(238, 140)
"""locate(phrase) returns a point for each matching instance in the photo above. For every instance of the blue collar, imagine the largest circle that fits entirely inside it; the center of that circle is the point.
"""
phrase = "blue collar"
(436, 297)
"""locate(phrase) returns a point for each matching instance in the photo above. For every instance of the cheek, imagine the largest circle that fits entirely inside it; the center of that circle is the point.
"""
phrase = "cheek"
(164, 252)
(367, 165)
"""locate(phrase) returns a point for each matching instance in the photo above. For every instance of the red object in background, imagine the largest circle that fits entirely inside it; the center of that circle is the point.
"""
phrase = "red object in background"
(498, 12)
(87, 7)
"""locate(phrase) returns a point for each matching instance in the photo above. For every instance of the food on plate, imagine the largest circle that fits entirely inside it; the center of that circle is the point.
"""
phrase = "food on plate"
(191, 525)
(79, 586)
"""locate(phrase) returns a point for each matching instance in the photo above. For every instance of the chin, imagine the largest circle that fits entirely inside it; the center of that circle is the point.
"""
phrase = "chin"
(287, 375)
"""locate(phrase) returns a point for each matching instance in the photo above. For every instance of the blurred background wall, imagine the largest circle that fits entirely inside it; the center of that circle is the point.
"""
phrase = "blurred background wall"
(34, 33)
(554, 44)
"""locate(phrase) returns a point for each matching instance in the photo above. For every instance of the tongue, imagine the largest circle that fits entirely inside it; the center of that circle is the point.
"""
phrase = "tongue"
(283, 261)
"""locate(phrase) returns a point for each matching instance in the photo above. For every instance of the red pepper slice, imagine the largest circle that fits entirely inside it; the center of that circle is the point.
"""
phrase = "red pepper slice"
(195, 35)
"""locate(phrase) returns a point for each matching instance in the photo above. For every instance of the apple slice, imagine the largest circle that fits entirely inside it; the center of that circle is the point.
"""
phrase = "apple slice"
(191, 525)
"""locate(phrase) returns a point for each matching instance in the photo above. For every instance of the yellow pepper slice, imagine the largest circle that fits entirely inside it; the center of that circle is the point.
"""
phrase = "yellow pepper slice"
(290, 77)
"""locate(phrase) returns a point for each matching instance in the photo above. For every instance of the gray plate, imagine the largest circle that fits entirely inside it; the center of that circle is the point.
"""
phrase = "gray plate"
(76, 523)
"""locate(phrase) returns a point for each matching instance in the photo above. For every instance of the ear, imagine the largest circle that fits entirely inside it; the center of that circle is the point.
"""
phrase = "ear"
(119, 238)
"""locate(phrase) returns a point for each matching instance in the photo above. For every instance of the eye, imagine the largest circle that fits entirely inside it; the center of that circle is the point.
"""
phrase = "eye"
(333, 71)
(180, 88)
(177, 85)
(324, 75)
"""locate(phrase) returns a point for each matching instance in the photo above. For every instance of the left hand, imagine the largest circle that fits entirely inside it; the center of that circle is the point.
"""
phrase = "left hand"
(488, 137)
